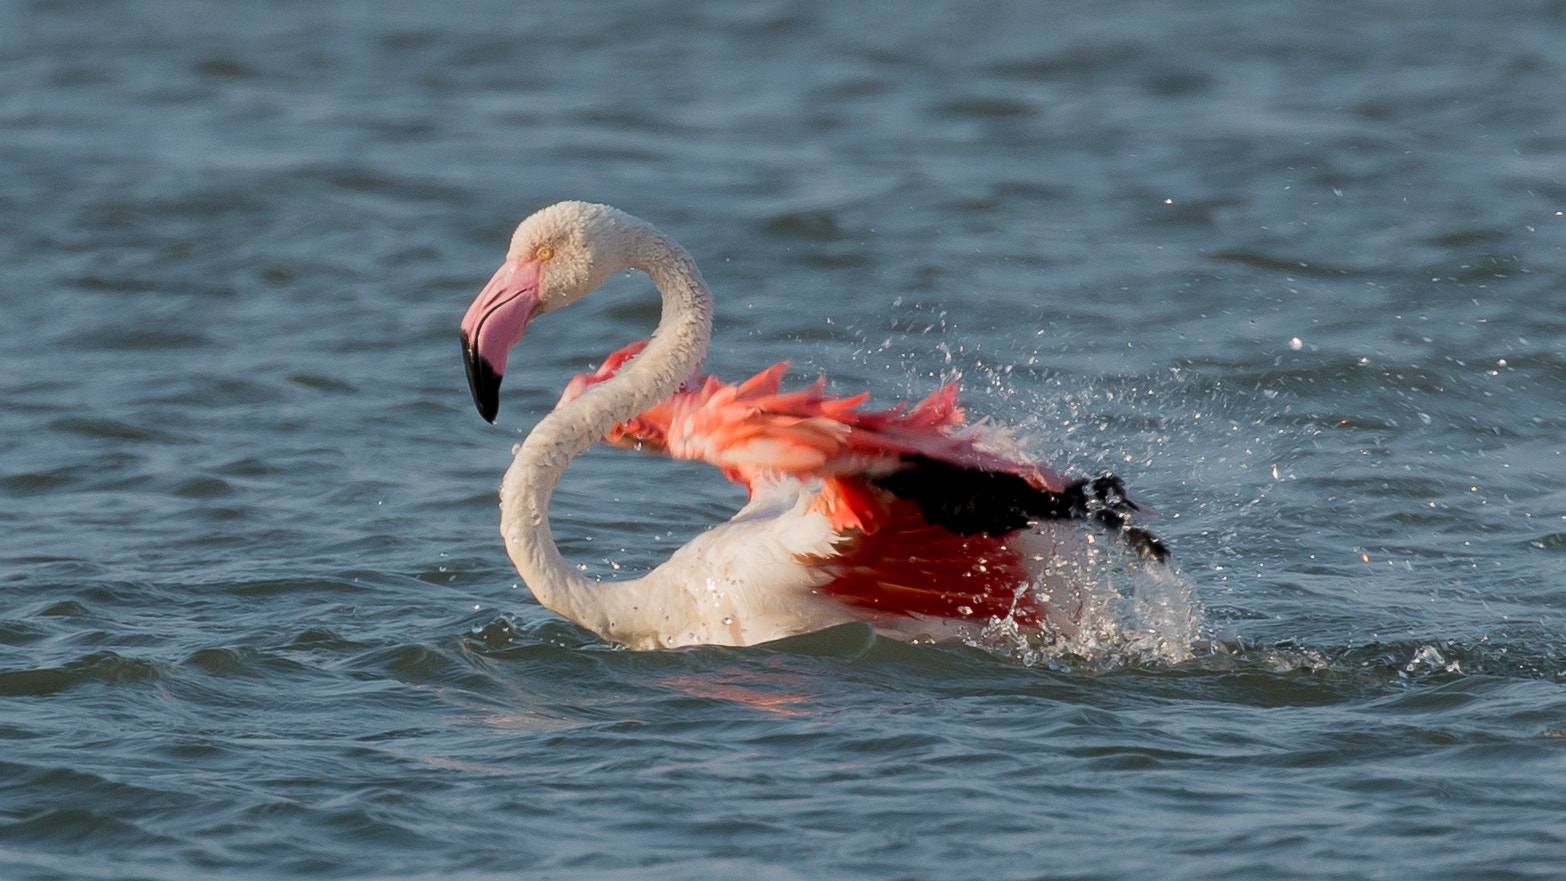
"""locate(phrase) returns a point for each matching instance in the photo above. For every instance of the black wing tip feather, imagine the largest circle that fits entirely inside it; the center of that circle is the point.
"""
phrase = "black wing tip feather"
(971, 501)
(1104, 501)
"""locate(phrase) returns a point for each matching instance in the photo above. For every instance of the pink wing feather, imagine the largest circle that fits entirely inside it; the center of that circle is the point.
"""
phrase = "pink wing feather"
(754, 429)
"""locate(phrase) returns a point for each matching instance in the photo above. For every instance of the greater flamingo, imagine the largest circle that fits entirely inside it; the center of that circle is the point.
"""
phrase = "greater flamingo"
(908, 519)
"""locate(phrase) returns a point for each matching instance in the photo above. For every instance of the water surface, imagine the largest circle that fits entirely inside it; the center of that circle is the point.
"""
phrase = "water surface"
(1292, 270)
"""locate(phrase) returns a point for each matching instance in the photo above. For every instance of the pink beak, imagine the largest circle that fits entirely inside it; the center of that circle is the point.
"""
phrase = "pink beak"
(493, 324)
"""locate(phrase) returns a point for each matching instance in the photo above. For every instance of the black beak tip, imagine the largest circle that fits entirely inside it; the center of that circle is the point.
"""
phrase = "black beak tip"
(483, 381)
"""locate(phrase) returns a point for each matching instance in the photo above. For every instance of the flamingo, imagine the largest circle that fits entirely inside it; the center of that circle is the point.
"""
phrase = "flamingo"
(909, 518)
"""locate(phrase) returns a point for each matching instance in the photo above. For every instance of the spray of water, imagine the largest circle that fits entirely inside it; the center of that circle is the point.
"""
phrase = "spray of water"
(1127, 611)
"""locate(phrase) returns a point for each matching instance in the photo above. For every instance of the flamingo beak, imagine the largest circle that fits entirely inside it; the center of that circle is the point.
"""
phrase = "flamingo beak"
(492, 325)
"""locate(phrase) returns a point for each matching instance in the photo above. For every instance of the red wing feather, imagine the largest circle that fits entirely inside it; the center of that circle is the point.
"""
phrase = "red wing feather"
(909, 567)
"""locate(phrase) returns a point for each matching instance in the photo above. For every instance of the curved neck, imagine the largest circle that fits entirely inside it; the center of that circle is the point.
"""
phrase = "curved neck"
(672, 355)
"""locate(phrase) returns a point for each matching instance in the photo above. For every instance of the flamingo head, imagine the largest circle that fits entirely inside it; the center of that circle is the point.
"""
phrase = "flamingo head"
(557, 256)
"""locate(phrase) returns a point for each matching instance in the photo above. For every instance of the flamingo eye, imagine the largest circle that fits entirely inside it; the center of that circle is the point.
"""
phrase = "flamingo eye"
(544, 252)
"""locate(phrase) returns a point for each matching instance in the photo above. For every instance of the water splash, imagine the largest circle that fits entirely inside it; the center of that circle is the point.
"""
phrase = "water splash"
(1127, 612)
(1130, 614)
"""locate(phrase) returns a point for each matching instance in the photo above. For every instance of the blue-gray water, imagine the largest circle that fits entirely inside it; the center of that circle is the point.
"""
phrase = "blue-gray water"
(1294, 270)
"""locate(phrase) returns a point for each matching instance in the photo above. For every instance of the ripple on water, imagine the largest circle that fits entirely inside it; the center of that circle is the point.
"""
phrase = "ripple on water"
(1295, 288)
(1554, 542)
(102, 666)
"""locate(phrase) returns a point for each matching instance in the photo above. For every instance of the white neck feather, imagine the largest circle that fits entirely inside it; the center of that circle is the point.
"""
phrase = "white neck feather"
(674, 353)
